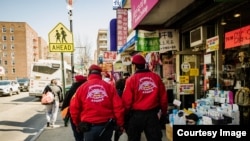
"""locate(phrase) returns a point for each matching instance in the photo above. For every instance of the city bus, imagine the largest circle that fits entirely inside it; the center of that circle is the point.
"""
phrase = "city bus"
(43, 71)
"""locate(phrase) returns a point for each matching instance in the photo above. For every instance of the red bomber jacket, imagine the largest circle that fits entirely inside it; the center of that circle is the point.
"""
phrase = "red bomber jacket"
(96, 101)
(145, 91)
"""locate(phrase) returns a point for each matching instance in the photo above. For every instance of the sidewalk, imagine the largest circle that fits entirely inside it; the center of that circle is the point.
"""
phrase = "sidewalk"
(60, 133)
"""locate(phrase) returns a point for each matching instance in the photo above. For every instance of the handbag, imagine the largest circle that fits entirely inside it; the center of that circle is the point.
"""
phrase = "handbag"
(47, 98)
(64, 112)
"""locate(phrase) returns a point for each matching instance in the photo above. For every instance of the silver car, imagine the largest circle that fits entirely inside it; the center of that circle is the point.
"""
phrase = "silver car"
(9, 87)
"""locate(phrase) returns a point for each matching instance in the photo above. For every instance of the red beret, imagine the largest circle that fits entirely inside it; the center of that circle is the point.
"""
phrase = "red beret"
(80, 78)
(138, 59)
(107, 75)
(95, 67)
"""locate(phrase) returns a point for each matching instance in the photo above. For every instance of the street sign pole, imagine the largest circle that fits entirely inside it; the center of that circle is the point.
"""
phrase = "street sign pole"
(72, 53)
(70, 7)
(61, 40)
(63, 76)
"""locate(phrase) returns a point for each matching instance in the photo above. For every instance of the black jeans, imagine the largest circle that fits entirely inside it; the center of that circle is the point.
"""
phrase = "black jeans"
(78, 135)
(146, 121)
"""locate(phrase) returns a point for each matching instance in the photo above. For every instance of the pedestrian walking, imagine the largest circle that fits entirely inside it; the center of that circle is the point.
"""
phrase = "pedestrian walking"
(108, 78)
(143, 97)
(52, 109)
(96, 107)
(120, 83)
(79, 80)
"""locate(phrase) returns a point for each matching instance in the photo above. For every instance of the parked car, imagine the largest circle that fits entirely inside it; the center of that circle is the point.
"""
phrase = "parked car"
(24, 84)
(9, 87)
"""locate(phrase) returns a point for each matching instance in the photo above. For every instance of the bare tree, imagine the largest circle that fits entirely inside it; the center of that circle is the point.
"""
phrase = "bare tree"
(82, 53)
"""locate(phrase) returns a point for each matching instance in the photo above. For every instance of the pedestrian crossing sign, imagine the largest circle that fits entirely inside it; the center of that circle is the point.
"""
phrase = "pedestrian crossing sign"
(60, 39)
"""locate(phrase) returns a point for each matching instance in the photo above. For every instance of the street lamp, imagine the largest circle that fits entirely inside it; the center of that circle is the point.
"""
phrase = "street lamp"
(69, 7)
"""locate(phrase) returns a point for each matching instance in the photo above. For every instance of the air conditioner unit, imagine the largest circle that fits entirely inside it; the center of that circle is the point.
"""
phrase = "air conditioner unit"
(196, 36)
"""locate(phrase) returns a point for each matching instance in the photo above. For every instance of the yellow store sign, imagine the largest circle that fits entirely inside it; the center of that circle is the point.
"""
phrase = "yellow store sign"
(184, 79)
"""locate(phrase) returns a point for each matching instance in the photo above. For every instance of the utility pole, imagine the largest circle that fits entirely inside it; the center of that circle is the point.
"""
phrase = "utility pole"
(69, 7)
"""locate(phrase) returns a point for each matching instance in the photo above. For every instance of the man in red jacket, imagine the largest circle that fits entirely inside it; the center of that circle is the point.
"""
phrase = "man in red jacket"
(144, 96)
(95, 103)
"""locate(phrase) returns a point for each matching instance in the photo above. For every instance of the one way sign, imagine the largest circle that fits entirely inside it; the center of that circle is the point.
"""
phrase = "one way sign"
(60, 39)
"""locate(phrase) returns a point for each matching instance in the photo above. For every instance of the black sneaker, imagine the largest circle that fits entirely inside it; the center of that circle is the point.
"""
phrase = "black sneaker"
(48, 124)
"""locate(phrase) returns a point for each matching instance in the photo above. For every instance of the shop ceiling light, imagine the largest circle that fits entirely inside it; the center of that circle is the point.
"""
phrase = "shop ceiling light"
(236, 15)
(223, 22)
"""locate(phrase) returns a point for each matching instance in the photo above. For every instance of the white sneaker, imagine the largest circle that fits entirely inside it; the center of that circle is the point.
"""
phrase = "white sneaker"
(55, 126)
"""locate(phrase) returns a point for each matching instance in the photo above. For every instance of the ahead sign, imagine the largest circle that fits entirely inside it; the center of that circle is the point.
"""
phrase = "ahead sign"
(60, 39)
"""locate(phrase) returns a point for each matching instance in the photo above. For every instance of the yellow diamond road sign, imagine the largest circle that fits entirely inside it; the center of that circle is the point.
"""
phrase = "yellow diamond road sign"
(60, 39)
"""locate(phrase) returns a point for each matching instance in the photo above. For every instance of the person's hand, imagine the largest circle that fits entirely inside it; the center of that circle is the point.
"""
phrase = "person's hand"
(120, 129)
(77, 129)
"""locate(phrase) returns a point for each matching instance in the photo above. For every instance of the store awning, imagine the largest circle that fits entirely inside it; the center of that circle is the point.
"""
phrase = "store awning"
(166, 9)
(127, 45)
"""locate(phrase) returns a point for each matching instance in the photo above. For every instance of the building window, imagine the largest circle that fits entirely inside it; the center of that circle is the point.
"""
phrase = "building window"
(4, 46)
(13, 70)
(6, 71)
(4, 54)
(12, 38)
(3, 29)
(13, 62)
(12, 46)
(11, 29)
(4, 38)
(5, 62)
(13, 54)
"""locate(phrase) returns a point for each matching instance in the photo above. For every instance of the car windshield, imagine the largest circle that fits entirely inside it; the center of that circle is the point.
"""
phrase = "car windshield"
(22, 80)
(4, 82)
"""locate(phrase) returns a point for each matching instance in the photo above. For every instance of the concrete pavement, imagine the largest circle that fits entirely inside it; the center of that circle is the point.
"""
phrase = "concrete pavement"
(60, 133)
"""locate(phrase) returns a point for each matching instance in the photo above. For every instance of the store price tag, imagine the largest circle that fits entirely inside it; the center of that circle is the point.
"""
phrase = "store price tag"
(177, 102)
(206, 120)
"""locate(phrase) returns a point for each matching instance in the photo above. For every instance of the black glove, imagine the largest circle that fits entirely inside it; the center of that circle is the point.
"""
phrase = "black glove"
(163, 121)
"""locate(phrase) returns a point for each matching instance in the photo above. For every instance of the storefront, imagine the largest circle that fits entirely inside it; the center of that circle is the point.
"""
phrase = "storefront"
(211, 43)
(202, 61)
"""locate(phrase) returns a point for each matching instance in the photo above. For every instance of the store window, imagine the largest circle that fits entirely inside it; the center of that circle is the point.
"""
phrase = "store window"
(236, 27)
(194, 71)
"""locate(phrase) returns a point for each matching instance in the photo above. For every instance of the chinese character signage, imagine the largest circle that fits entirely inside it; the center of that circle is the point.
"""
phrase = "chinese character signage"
(139, 9)
(147, 41)
(169, 40)
(122, 27)
(109, 56)
(238, 37)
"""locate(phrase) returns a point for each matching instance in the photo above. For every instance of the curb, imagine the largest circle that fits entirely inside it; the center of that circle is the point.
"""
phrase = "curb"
(38, 134)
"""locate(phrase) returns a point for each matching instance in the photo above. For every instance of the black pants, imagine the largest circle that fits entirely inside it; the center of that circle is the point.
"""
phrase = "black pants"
(146, 121)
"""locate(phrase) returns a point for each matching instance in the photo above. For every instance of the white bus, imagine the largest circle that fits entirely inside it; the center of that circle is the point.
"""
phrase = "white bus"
(43, 71)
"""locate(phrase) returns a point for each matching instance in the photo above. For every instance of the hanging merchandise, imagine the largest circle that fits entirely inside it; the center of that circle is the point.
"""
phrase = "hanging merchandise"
(153, 60)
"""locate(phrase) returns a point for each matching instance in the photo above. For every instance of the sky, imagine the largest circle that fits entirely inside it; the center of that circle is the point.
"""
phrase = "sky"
(44, 15)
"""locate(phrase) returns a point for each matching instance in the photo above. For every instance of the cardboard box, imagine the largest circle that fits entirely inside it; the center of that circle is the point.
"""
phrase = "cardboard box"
(169, 132)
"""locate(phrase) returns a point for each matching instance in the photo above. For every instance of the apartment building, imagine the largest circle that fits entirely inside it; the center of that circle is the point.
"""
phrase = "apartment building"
(102, 44)
(20, 45)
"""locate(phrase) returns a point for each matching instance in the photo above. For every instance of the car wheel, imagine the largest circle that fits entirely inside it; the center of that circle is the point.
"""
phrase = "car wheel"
(11, 93)
(18, 92)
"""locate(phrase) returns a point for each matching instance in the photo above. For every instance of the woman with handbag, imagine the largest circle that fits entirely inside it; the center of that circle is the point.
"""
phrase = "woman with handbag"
(52, 109)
